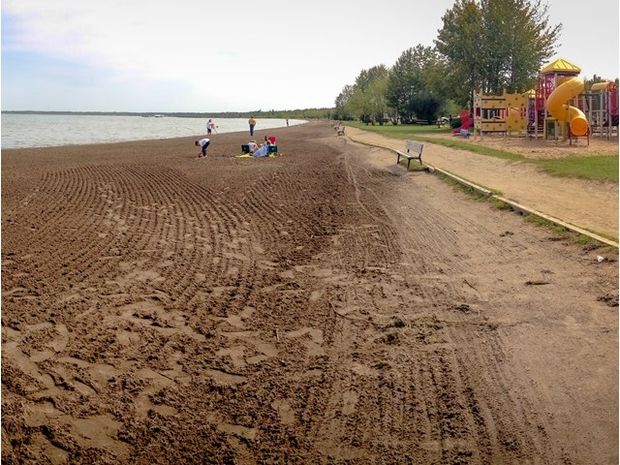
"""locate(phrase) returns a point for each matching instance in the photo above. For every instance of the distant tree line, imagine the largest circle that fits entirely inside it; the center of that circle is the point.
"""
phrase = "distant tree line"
(483, 45)
(307, 113)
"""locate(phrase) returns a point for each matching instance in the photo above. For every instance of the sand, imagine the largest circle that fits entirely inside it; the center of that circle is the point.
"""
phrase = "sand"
(321, 307)
(590, 205)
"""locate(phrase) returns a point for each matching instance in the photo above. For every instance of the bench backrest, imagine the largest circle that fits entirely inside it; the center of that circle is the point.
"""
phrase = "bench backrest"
(414, 147)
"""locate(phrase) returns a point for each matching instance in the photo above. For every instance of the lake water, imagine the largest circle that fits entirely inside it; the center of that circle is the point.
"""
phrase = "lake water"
(32, 130)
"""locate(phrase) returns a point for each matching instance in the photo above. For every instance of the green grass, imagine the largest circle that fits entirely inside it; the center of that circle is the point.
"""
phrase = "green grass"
(401, 131)
(593, 167)
(460, 144)
(602, 167)
(417, 131)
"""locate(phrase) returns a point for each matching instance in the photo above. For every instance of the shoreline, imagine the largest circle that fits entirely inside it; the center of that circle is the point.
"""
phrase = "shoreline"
(234, 126)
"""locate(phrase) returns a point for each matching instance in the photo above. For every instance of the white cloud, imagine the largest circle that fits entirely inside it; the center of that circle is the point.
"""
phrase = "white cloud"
(243, 55)
(263, 54)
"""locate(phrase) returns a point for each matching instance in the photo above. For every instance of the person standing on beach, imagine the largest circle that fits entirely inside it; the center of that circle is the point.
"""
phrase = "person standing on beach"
(287, 122)
(210, 127)
(252, 123)
(203, 144)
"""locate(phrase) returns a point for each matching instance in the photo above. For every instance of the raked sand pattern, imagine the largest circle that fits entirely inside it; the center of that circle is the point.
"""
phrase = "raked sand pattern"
(321, 307)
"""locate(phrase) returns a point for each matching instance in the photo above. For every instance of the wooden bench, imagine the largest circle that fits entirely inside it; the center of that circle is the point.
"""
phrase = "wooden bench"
(413, 152)
(340, 131)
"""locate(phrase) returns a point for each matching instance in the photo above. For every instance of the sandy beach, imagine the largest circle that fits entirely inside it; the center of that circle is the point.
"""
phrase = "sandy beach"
(321, 307)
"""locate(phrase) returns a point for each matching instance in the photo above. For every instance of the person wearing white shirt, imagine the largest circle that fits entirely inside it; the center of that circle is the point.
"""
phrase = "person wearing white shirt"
(203, 144)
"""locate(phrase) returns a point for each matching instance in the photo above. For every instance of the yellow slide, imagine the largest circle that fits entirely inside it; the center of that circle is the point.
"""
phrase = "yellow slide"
(557, 107)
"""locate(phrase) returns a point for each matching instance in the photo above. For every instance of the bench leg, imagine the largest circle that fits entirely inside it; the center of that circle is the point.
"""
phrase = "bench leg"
(408, 162)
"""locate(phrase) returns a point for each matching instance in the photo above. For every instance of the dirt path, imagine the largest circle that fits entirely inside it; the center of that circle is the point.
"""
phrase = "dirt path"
(323, 307)
(592, 205)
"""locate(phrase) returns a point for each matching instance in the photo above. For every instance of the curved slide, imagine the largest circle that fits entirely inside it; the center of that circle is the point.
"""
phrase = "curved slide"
(466, 123)
(557, 107)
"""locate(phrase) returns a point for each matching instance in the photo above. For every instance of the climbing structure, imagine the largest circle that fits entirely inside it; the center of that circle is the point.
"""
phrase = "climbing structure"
(551, 119)
(600, 103)
(500, 113)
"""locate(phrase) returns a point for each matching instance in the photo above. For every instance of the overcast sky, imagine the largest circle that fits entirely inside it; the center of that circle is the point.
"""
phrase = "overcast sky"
(235, 55)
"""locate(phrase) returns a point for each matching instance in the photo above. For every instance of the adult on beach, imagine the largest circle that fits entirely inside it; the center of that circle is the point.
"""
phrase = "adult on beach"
(203, 144)
(252, 123)
(263, 150)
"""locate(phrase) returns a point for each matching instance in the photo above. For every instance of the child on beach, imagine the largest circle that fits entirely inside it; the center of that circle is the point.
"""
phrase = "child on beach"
(210, 126)
(252, 123)
(253, 146)
(203, 144)
(263, 151)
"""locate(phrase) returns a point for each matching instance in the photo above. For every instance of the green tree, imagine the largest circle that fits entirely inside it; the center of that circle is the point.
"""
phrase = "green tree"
(495, 45)
(367, 101)
(459, 42)
(426, 106)
(342, 103)
(416, 77)
(519, 39)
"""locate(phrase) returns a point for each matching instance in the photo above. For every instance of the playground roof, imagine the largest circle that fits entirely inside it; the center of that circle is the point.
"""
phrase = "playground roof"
(602, 86)
(561, 66)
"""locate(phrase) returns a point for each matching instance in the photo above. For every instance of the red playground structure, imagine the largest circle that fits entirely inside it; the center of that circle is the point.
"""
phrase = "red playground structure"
(466, 123)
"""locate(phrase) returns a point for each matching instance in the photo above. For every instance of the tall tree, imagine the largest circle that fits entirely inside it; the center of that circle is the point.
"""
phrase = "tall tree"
(341, 110)
(368, 100)
(417, 71)
(518, 34)
(459, 42)
(495, 45)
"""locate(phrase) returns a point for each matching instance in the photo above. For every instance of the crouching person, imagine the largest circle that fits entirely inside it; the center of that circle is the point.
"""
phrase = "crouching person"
(203, 144)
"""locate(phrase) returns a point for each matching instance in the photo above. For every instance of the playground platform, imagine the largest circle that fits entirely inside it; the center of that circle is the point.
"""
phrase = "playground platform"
(589, 205)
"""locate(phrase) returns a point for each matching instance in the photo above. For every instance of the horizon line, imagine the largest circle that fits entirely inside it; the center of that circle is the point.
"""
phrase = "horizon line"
(170, 112)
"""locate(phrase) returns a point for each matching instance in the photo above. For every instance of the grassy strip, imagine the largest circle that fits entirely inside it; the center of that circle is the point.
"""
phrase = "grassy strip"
(588, 242)
(417, 132)
(602, 167)
(460, 144)
(556, 229)
(401, 131)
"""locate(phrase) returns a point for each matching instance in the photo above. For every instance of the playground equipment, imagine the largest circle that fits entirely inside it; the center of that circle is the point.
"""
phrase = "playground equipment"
(601, 103)
(558, 107)
(466, 123)
(564, 113)
(500, 113)
(541, 121)
(561, 107)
